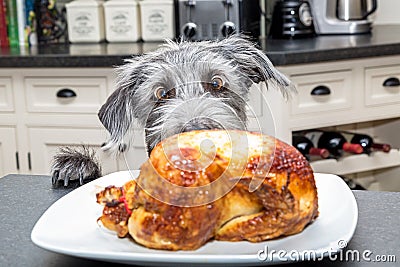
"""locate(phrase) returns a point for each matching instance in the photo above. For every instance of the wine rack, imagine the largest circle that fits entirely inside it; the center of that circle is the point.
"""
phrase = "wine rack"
(358, 163)
(364, 97)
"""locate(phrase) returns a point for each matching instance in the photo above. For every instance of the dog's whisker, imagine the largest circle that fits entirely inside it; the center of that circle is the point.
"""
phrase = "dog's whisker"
(154, 129)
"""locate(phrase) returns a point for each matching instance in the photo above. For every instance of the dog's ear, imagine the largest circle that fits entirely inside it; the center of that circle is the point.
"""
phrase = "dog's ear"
(114, 117)
(253, 62)
(116, 114)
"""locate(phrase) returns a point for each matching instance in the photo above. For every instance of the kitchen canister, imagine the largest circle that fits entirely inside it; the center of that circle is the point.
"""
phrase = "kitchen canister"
(122, 20)
(157, 19)
(85, 21)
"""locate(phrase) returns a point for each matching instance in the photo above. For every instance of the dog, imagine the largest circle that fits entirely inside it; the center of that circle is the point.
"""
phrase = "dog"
(182, 86)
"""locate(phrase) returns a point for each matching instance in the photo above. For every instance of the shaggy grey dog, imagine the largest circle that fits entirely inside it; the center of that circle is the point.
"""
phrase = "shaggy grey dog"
(180, 87)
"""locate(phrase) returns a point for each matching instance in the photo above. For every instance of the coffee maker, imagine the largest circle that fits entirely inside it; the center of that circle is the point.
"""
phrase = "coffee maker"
(291, 19)
(342, 16)
(216, 19)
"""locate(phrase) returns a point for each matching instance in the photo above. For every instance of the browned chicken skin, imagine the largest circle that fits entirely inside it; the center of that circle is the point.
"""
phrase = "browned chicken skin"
(204, 185)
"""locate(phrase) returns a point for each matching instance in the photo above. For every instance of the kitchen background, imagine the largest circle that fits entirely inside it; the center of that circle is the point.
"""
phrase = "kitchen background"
(385, 14)
(50, 95)
(129, 21)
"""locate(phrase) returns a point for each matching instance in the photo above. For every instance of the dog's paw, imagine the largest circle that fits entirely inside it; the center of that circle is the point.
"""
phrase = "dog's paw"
(71, 164)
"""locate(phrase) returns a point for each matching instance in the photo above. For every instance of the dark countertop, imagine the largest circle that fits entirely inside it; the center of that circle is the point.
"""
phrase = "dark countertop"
(24, 198)
(384, 40)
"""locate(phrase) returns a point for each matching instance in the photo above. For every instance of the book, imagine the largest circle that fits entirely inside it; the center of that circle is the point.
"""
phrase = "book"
(26, 23)
(3, 24)
(30, 23)
(20, 5)
(12, 22)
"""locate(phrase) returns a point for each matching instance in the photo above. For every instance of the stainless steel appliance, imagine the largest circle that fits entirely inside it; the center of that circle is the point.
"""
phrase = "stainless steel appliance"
(355, 10)
(342, 16)
(216, 19)
(292, 19)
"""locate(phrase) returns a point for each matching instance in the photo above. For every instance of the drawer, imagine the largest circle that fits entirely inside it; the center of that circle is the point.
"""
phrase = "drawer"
(65, 94)
(45, 143)
(6, 94)
(322, 92)
(382, 85)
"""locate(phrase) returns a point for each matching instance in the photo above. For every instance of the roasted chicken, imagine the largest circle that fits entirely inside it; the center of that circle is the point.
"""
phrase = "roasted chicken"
(222, 185)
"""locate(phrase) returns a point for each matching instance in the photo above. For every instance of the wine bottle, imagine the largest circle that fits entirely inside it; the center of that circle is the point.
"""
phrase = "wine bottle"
(368, 144)
(306, 147)
(336, 144)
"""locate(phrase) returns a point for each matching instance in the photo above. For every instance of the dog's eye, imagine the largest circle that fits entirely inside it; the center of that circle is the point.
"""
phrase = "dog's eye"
(161, 93)
(217, 83)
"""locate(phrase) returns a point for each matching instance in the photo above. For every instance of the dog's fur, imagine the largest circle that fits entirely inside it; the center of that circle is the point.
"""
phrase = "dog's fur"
(184, 70)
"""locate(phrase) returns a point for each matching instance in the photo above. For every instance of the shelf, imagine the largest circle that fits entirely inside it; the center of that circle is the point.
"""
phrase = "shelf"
(358, 163)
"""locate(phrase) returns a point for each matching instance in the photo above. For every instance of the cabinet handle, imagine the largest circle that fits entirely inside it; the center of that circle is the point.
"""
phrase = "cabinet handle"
(17, 160)
(391, 82)
(66, 93)
(321, 90)
(29, 161)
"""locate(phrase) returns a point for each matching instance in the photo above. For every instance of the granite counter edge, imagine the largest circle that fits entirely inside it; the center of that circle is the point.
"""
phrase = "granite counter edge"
(279, 58)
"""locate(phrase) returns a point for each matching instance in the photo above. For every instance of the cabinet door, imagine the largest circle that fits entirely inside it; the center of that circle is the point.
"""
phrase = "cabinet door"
(260, 118)
(136, 155)
(8, 150)
(45, 142)
(6, 94)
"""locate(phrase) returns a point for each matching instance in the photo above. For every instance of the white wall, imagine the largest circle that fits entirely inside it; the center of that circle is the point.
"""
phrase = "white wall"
(388, 12)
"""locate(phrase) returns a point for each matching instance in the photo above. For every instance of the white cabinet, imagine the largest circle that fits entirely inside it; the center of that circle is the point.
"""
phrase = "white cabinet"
(355, 95)
(43, 109)
(8, 151)
(380, 85)
(8, 144)
(45, 143)
(322, 92)
(61, 94)
(39, 113)
(6, 94)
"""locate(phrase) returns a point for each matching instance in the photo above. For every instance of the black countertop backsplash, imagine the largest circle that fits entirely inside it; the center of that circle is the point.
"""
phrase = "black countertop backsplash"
(384, 40)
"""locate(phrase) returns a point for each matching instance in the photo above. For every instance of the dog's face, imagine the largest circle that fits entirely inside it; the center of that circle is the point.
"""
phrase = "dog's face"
(186, 86)
(187, 96)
